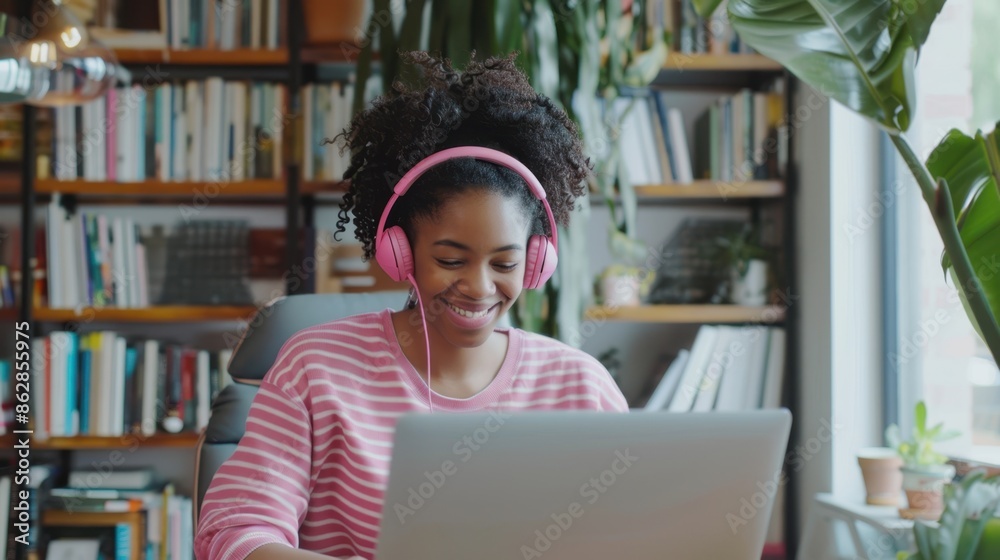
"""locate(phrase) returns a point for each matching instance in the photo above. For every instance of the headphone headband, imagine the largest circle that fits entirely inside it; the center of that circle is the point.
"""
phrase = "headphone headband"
(477, 152)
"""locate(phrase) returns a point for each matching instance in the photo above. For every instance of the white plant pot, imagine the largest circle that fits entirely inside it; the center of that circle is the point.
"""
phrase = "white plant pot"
(751, 287)
(621, 290)
(924, 488)
(931, 478)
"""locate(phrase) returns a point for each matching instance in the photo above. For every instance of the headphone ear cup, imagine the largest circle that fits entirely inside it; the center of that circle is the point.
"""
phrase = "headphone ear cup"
(392, 252)
(540, 262)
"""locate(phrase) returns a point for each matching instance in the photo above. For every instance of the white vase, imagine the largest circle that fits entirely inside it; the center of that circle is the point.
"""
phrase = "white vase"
(620, 290)
(749, 288)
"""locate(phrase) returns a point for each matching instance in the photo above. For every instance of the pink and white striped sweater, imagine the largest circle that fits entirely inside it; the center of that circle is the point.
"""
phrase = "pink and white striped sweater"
(312, 468)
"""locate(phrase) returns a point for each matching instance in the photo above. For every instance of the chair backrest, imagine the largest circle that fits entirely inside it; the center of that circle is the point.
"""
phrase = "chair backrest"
(253, 357)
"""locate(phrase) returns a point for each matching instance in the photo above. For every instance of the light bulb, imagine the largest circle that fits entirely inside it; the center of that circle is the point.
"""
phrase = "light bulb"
(50, 60)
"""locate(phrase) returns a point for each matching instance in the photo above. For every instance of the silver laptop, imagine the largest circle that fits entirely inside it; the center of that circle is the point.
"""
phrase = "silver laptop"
(572, 485)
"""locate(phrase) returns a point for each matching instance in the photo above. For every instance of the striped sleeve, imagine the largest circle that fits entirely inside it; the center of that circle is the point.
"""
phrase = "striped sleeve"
(260, 494)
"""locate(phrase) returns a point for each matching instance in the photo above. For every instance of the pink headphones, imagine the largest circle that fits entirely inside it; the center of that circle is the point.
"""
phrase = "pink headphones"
(392, 249)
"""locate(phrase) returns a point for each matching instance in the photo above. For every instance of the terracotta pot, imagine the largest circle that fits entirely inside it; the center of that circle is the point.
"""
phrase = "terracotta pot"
(329, 23)
(883, 479)
(924, 488)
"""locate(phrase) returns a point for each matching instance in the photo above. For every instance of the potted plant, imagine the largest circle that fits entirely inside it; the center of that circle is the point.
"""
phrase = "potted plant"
(880, 469)
(925, 470)
(969, 527)
(747, 261)
(621, 285)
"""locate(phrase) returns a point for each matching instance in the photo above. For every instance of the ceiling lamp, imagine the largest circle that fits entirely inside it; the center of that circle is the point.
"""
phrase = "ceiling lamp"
(50, 60)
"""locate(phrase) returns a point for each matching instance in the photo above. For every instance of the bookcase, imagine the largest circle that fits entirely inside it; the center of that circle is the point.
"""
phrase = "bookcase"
(295, 66)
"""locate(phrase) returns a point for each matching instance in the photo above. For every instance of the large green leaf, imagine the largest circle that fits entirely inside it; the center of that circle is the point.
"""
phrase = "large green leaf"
(509, 32)
(859, 52)
(919, 15)
(971, 168)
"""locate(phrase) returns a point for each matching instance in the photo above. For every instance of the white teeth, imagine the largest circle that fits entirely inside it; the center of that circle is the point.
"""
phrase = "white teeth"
(469, 314)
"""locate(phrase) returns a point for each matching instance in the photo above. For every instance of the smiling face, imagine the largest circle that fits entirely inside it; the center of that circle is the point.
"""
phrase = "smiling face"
(469, 264)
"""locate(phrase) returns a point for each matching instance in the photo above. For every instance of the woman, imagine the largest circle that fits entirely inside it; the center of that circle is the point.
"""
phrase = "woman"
(471, 156)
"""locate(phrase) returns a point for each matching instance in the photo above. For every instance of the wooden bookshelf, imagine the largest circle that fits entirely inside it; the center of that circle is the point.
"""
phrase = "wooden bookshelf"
(688, 314)
(10, 184)
(720, 190)
(155, 314)
(116, 442)
(126, 441)
(8, 313)
(347, 54)
(319, 187)
(678, 62)
(211, 190)
(204, 57)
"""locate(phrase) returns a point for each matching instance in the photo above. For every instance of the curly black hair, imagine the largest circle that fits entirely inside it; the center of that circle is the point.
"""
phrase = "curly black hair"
(490, 104)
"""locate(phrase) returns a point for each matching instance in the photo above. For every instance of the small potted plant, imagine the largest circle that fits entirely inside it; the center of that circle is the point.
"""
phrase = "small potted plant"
(747, 260)
(969, 526)
(621, 285)
(925, 470)
(880, 469)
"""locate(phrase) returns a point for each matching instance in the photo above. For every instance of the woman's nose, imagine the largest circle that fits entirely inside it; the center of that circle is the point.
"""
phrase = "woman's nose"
(478, 283)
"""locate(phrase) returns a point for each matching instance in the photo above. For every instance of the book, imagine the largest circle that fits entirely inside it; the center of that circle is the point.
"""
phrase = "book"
(134, 479)
(668, 383)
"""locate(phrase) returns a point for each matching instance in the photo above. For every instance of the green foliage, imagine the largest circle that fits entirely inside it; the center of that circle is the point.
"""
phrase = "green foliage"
(862, 54)
(741, 247)
(918, 451)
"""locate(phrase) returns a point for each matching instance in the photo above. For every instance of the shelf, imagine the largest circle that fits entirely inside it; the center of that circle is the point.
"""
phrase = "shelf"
(156, 314)
(252, 188)
(688, 314)
(114, 442)
(8, 313)
(204, 57)
(679, 62)
(721, 190)
(330, 54)
(318, 187)
(10, 184)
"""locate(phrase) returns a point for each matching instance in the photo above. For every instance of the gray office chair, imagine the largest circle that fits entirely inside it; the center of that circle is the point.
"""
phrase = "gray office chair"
(254, 356)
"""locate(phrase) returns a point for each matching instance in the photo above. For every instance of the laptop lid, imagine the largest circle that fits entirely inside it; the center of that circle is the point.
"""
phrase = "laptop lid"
(571, 485)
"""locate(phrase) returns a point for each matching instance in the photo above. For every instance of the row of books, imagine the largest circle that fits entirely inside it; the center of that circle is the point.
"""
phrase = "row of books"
(726, 369)
(327, 110)
(93, 518)
(740, 137)
(652, 139)
(92, 260)
(198, 130)
(225, 24)
(102, 384)
(736, 138)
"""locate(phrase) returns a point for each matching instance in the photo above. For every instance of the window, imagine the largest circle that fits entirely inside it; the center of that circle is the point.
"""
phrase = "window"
(938, 355)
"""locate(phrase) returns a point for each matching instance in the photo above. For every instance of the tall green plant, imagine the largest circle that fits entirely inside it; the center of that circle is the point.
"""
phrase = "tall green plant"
(862, 54)
(576, 52)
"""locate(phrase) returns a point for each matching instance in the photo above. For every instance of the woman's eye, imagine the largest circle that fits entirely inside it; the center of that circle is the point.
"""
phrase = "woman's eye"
(448, 263)
(505, 267)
